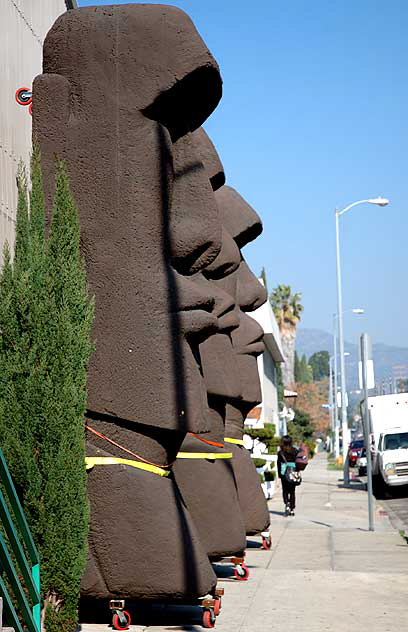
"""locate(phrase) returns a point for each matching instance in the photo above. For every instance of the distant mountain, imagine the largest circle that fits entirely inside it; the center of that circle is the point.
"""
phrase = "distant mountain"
(388, 361)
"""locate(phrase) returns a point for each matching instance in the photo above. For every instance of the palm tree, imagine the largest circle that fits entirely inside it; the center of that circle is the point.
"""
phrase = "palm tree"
(287, 309)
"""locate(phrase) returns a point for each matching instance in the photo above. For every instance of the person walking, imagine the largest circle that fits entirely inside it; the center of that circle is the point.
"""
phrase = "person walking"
(287, 459)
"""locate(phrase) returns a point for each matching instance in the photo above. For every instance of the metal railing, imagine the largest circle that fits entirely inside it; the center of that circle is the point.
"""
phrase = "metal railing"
(22, 577)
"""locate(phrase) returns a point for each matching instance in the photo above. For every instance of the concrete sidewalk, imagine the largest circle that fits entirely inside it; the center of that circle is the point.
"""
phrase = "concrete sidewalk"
(326, 571)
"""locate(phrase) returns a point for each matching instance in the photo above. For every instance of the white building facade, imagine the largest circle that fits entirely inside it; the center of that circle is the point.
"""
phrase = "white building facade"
(23, 27)
(268, 410)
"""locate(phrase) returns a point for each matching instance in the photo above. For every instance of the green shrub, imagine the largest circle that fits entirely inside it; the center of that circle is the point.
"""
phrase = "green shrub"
(266, 435)
(261, 478)
(269, 475)
(259, 462)
(274, 445)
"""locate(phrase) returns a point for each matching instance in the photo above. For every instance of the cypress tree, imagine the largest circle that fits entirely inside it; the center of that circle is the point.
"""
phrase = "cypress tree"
(305, 371)
(45, 322)
(68, 341)
(297, 370)
(263, 277)
(22, 243)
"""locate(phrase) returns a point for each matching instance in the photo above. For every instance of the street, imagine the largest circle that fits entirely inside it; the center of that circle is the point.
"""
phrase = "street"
(393, 502)
(396, 505)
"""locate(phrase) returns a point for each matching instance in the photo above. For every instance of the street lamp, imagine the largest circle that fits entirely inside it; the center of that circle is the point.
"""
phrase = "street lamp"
(333, 421)
(355, 310)
(380, 201)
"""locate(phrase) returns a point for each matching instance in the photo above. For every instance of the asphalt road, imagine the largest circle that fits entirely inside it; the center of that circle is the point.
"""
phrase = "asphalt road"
(395, 504)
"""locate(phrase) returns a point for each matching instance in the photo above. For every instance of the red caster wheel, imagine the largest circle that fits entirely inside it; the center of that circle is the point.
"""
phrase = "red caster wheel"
(217, 606)
(267, 543)
(241, 572)
(121, 620)
(208, 618)
(24, 96)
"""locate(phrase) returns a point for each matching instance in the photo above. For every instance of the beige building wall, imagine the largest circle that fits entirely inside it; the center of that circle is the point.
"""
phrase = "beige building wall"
(23, 26)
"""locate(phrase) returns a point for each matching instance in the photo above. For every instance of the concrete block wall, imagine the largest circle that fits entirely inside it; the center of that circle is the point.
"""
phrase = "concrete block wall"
(23, 26)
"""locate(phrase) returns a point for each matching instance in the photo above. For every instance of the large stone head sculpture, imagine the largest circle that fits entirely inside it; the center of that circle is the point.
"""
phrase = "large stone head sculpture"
(241, 224)
(121, 110)
(244, 225)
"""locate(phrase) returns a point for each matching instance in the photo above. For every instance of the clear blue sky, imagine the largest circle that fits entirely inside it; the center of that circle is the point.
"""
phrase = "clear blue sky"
(314, 115)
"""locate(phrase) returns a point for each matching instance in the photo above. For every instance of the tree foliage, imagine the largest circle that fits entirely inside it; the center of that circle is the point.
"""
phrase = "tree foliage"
(45, 322)
(301, 429)
(263, 277)
(303, 370)
(279, 384)
(286, 306)
(319, 362)
(297, 368)
(311, 398)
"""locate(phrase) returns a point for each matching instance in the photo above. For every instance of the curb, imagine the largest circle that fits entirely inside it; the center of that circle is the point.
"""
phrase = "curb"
(394, 519)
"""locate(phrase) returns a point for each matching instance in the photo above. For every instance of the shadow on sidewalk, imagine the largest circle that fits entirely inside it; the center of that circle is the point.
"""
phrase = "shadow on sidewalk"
(310, 482)
(277, 513)
(323, 524)
(254, 544)
(354, 486)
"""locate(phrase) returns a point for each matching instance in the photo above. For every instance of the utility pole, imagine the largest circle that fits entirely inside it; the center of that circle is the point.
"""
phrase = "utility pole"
(380, 201)
(331, 406)
(343, 411)
(366, 424)
(336, 407)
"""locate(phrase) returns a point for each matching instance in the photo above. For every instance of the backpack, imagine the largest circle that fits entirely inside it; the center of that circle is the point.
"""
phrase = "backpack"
(290, 474)
(302, 458)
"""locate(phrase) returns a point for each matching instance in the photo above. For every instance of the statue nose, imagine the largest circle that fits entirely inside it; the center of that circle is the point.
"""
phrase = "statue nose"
(251, 294)
(195, 227)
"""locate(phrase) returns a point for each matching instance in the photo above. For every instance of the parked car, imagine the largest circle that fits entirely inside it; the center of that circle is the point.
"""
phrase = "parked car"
(354, 451)
(362, 463)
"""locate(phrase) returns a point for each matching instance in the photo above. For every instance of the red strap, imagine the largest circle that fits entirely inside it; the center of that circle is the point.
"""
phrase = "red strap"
(137, 456)
(215, 443)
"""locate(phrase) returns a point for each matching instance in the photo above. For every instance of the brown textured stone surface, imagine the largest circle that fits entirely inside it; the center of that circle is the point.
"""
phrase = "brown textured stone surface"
(209, 491)
(229, 363)
(143, 542)
(255, 513)
(122, 90)
(239, 218)
(244, 225)
(210, 158)
(146, 206)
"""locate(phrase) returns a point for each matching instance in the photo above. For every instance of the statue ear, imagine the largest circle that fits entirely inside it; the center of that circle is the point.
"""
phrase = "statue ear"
(51, 112)
(51, 105)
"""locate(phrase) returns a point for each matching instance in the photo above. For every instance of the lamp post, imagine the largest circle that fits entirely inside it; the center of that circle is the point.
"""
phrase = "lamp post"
(354, 310)
(338, 213)
(332, 397)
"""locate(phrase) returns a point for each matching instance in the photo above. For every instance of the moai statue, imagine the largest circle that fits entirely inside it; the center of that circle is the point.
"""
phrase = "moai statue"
(244, 224)
(205, 484)
(122, 90)
(203, 470)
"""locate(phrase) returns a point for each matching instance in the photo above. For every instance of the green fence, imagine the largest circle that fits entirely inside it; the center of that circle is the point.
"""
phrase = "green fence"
(19, 572)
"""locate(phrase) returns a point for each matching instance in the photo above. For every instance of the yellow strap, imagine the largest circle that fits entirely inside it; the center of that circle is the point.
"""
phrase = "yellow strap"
(237, 441)
(90, 461)
(204, 455)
